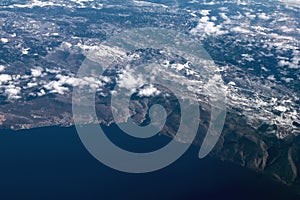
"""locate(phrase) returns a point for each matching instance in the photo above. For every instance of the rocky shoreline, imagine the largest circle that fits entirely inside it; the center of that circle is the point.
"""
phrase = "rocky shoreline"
(239, 142)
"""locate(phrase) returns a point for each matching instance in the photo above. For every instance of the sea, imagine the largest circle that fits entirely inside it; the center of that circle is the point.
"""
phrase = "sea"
(52, 163)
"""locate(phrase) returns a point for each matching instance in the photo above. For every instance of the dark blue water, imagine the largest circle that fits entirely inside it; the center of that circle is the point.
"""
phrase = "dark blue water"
(51, 163)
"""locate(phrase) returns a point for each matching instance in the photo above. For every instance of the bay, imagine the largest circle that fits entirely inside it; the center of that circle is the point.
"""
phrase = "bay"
(52, 163)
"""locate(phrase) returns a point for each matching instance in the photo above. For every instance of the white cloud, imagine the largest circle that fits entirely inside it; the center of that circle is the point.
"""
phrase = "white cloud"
(291, 2)
(4, 40)
(206, 27)
(148, 91)
(63, 83)
(224, 16)
(240, 30)
(36, 72)
(281, 108)
(130, 80)
(204, 12)
(35, 3)
(25, 51)
(13, 92)
(30, 85)
(213, 18)
(263, 16)
(56, 87)
(5, 78)
(2, 68)
(41, 93)
(146, 3)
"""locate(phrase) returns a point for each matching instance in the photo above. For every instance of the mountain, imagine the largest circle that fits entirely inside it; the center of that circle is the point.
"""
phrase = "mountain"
(254, 46)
